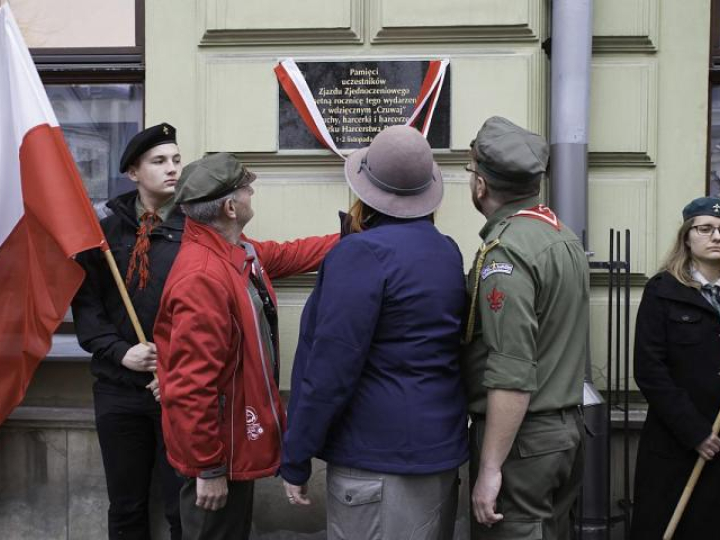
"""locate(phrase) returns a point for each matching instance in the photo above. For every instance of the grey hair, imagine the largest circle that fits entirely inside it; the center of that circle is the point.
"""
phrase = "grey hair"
(206, 212)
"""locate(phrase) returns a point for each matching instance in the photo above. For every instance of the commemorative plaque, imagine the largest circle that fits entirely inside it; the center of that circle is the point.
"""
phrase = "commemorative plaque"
(359, 99)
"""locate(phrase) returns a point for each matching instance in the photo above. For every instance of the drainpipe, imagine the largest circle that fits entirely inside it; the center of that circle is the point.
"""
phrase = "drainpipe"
(571, 51)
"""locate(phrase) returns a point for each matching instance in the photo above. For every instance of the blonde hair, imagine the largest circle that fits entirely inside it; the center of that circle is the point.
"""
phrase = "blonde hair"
(359, 213)
(678, 261)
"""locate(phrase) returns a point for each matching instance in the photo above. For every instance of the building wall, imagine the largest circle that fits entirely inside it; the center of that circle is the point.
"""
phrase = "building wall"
(209, 73)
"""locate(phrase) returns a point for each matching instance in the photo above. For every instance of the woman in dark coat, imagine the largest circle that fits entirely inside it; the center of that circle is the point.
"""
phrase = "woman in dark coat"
(677, 365)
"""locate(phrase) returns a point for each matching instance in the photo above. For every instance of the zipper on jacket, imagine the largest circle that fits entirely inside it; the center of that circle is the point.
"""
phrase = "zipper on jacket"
(222, 398)
(263, 361)
(232, 403)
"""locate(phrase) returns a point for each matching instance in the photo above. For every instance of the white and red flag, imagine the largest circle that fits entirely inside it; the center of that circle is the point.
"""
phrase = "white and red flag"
(45, 219)
(291, 79)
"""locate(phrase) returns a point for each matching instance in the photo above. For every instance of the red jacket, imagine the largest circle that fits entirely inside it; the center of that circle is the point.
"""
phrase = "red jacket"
(221, 408)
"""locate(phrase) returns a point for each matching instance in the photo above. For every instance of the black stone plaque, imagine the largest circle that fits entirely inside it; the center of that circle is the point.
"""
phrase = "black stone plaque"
(359, 99)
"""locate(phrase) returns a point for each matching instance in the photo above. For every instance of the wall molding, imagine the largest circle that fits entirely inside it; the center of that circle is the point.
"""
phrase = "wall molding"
(319, 159)
(620, 159)
(280, 37)
(453, 34)
(386, 34)
(636, 26)
(258, 37)
(629, 44)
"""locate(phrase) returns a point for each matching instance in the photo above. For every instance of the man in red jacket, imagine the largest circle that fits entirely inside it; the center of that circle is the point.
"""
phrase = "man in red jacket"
(217, 343)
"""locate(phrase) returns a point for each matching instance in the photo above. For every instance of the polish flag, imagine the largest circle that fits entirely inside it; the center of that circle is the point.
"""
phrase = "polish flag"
(45, 219)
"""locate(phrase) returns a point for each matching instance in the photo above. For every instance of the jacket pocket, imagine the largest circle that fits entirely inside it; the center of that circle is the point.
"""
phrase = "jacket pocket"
(684, 326)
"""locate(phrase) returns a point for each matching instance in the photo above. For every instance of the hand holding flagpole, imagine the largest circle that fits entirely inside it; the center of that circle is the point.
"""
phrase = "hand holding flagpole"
(689, 487)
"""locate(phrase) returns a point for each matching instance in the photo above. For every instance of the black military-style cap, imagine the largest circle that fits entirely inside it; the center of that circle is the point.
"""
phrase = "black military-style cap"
(211, 178)
(144, 141)
(702, 206)
(508, 153)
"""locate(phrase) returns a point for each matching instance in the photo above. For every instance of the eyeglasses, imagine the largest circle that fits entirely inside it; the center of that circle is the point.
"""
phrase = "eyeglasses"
(470, 167)
(705, 230)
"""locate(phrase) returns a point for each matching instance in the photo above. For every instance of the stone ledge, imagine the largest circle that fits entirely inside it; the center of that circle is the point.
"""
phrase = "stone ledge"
(25, 417)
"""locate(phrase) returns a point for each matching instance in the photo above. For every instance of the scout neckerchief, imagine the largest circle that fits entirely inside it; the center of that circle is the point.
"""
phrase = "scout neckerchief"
(139, 257)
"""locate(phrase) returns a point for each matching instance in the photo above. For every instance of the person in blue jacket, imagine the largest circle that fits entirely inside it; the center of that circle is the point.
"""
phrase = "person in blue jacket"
(376, 389)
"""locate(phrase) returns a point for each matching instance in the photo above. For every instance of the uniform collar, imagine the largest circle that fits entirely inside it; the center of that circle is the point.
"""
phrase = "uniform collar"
(506, 211)
(163, 212)
(125, 207)
(702, 280)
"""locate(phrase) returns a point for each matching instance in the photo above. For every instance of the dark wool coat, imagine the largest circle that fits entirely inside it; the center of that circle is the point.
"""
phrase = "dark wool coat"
(677, 361)
(101, 321)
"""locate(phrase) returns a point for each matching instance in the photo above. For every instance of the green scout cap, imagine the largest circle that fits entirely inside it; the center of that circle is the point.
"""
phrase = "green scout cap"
(211, 178)
(703, 206)
(509, 154)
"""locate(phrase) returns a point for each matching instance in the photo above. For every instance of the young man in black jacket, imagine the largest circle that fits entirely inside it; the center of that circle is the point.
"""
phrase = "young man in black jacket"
(144, 233)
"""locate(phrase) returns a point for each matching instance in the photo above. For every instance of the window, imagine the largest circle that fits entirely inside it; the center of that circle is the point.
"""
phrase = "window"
(713, 168)
(93, 70)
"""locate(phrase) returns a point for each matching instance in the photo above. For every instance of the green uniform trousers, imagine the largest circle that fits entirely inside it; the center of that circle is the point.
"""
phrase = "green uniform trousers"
(541, 477)
(232, 522)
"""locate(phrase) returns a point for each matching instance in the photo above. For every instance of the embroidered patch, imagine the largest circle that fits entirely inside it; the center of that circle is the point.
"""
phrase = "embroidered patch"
(496, 268)
(254, 429)
(496, 299)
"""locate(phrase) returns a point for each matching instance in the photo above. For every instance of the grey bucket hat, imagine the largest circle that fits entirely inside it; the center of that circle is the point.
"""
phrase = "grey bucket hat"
(396, 174)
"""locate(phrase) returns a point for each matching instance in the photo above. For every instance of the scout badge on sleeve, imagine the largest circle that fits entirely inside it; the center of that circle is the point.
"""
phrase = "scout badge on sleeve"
(496, 268)
(496, 299)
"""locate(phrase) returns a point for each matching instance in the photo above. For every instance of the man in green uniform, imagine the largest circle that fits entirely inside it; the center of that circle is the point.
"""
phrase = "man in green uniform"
(525, 345)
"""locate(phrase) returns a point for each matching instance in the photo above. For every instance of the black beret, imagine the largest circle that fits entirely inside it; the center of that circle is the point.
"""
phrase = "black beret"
(703, 206)
(211, 178)
(144, 141)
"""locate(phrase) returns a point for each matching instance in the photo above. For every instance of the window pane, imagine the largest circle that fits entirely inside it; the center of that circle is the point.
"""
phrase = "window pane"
(714, 187)
(76, 23)
(98, 120)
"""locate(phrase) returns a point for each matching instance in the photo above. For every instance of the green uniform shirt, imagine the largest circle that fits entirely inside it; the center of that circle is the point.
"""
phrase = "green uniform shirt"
(530, 314)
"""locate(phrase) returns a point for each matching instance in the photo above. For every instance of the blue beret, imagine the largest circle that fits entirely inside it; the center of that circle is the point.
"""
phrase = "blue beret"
(144, 141)
(703, 206)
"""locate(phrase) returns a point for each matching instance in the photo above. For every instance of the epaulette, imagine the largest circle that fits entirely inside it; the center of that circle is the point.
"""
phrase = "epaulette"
(540, 212)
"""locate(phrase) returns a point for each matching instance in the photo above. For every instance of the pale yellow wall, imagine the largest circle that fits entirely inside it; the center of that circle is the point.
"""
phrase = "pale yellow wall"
(76, 23)
(209, 72)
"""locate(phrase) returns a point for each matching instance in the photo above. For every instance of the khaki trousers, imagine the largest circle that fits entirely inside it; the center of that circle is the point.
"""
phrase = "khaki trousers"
(541, 478)
(366, 505)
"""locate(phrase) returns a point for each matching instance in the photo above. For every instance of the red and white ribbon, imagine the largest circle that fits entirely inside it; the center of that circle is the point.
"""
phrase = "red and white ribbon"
(430, 90)
(295, 86)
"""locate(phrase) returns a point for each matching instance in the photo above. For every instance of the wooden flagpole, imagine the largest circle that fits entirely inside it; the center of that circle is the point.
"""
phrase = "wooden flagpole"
(689, 487)
(126, 299)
